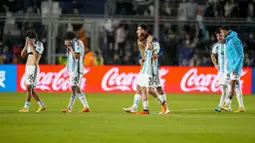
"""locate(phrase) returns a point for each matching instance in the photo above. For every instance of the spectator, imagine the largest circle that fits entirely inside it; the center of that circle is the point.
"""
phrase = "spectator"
(191, 10)
(120, 37)
(6, 56)
(195, 60)
(89, 58)
(247, 62)
(16, 53)
(99, 60)
(229, 8)
(83, 38)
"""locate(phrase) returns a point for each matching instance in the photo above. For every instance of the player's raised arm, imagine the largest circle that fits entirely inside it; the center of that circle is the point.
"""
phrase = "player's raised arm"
(32, 46)
(24, 50)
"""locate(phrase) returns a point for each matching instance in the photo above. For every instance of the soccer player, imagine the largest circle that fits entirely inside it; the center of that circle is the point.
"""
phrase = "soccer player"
(74, 65)
(219, 50)
(143, 39)
(235, 56)
(33, 49)
(155, 75)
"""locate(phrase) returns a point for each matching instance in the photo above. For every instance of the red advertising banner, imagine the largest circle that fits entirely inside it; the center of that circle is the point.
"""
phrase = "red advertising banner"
(54, 78)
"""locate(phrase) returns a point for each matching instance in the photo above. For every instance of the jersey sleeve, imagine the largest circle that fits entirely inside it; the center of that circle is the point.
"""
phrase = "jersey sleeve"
(39, 47)
(214, 49)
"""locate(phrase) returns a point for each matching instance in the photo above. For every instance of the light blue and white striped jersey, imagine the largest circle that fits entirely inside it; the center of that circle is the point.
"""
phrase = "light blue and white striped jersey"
(38, 47)
(75, 65)
(147, 65)
(155, 62)
(220, 50)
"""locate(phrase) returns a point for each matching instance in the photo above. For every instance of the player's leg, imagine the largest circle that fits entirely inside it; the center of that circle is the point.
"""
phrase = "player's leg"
(35, 95)
(164, 106)
(239, 97)
(42, 106)
(137, 98)
(73, 81)
(145, 85)
(71, 101)
(224, 91)
(30, 76)
(227, 105)
(83, 100)
(154, 93)
(80, 94)
(28, 99)
(145, 93)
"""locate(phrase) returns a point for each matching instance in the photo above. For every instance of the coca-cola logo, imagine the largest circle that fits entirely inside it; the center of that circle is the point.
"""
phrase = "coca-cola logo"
(54, 81)
(114, 80)
(192, 81)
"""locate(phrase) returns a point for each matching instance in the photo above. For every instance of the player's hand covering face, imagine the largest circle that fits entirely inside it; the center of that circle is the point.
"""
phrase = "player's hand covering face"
(30, 41)
(67, 43)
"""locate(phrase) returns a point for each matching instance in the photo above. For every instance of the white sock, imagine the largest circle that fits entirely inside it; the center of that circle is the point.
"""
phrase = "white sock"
(239, 97)
(40, 103)
(228, 102)
(159, 98)
(164, 99)
(83, 100)
(223, 95)
(72, 101)
(27, 104)
(136, 101)
(146, 105)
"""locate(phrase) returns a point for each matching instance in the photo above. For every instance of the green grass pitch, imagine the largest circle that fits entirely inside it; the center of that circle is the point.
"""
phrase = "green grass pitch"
(193, 119)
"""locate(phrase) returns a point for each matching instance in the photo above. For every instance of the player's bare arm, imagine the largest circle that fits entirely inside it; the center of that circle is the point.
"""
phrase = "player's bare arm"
(24, 50)
(32, 46)
(69, 46)
(213, 58)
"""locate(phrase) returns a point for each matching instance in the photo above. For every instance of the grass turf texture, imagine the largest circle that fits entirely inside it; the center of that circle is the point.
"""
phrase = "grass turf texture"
(193, 120)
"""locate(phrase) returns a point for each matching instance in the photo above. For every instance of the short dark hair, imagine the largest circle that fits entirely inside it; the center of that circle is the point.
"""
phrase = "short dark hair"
(144, 27)
(217, 32)
(31, 34)
(69, 35)
(224, 28)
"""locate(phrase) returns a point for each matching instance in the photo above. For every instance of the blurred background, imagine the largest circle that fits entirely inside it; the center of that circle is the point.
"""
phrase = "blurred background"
(185, 28)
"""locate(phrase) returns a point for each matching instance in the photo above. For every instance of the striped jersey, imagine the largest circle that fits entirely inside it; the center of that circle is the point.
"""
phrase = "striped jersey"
(38, 47)
(220, 50)
(156, 50)
(75, 65)
(147, 65)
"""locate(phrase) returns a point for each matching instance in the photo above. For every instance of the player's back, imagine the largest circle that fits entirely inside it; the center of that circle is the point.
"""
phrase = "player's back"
(73, 64)
(234, 47)
(234, 52)
(147, 65)
(156, 50)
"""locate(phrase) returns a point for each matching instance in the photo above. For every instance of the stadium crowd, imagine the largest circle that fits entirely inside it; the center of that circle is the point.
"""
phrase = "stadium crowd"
(183, 44)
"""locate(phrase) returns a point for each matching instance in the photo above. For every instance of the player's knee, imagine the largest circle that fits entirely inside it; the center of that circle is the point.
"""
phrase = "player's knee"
(73, 88)
(160, 90)
(78, 90)
(139, 91)
(29, 88)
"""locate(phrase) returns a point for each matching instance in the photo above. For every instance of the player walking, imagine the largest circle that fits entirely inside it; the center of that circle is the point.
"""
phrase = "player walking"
(74, 65)
(235, 56)
(33, 49)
